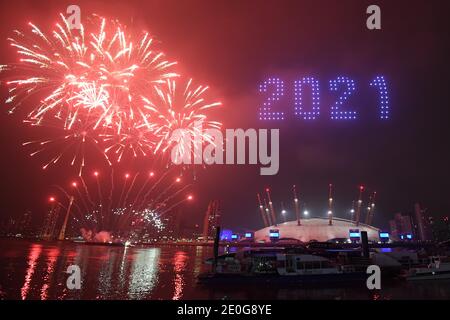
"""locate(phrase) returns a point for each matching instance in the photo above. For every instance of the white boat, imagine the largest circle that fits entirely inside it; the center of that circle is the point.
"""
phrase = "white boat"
(436, 269)
(276, 266)
(305, 264)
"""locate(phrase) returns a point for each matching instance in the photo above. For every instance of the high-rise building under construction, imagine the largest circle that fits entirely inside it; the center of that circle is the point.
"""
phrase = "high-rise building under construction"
(48, 229)
(211, 220)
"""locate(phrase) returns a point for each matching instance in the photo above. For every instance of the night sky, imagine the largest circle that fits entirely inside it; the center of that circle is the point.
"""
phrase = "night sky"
(233, 46)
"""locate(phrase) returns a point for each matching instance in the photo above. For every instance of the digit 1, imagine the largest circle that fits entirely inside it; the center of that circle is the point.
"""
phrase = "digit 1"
(380, 83)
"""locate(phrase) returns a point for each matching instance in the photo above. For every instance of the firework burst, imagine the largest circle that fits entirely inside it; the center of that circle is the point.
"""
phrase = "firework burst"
(180, 107)
(100, 70)
(101, 85)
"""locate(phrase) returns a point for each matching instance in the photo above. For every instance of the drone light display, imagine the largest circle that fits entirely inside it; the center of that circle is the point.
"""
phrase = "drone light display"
(343, 87)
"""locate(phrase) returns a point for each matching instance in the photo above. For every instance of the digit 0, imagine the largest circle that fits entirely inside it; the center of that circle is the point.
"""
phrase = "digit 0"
(298, 100)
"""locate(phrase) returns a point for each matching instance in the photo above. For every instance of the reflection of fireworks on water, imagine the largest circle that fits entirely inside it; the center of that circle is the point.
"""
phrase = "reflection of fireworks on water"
(102, 82)
(125, 204)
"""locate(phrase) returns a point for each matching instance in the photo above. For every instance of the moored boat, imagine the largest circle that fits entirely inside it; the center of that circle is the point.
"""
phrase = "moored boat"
(277, 266)
(436, 269)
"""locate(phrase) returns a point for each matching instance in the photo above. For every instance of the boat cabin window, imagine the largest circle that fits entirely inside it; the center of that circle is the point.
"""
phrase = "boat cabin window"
(309, 265)
(327, 265)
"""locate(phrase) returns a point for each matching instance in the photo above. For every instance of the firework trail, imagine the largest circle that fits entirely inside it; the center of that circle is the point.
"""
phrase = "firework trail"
(98, 207)
(74, 146)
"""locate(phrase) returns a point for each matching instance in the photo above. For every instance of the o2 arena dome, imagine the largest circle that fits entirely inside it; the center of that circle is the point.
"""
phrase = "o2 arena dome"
(316, 229)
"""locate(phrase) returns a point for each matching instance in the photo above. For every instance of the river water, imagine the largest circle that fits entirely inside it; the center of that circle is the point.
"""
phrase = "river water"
(37, 270)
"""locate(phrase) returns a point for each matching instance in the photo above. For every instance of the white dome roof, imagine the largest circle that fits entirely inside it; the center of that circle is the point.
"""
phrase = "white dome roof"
(317, 229)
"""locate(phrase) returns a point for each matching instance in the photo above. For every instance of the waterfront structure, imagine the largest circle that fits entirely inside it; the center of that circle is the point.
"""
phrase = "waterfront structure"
(401, 226)
(316, 229)
(411, 225)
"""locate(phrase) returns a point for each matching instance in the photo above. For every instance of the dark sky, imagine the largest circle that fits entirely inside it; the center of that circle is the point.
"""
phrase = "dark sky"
(235, 45)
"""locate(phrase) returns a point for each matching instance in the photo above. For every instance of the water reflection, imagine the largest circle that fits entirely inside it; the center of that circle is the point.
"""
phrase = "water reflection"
(51, 260)
(179, 265)
(106, 272)
(33, 256)
(122, 277)
(144, 273)
(199, 259)
(38, 271)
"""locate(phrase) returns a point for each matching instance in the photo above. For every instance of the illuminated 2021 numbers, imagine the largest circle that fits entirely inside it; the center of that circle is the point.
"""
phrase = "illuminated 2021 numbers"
(339, 110)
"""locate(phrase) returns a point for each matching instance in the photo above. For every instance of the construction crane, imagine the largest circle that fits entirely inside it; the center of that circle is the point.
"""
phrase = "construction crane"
(262, 211)
(296, 205)
(330, 204)
(371, 209)
(358, 205)
(272, 210)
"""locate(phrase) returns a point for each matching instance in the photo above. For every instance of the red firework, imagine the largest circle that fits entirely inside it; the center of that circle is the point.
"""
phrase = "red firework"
(103, 85)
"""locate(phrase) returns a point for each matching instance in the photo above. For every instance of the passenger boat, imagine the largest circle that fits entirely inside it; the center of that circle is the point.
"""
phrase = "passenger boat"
(436, 269)
(278, 266)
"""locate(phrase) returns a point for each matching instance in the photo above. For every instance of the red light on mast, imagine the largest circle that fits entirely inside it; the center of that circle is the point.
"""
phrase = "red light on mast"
(51, 199)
